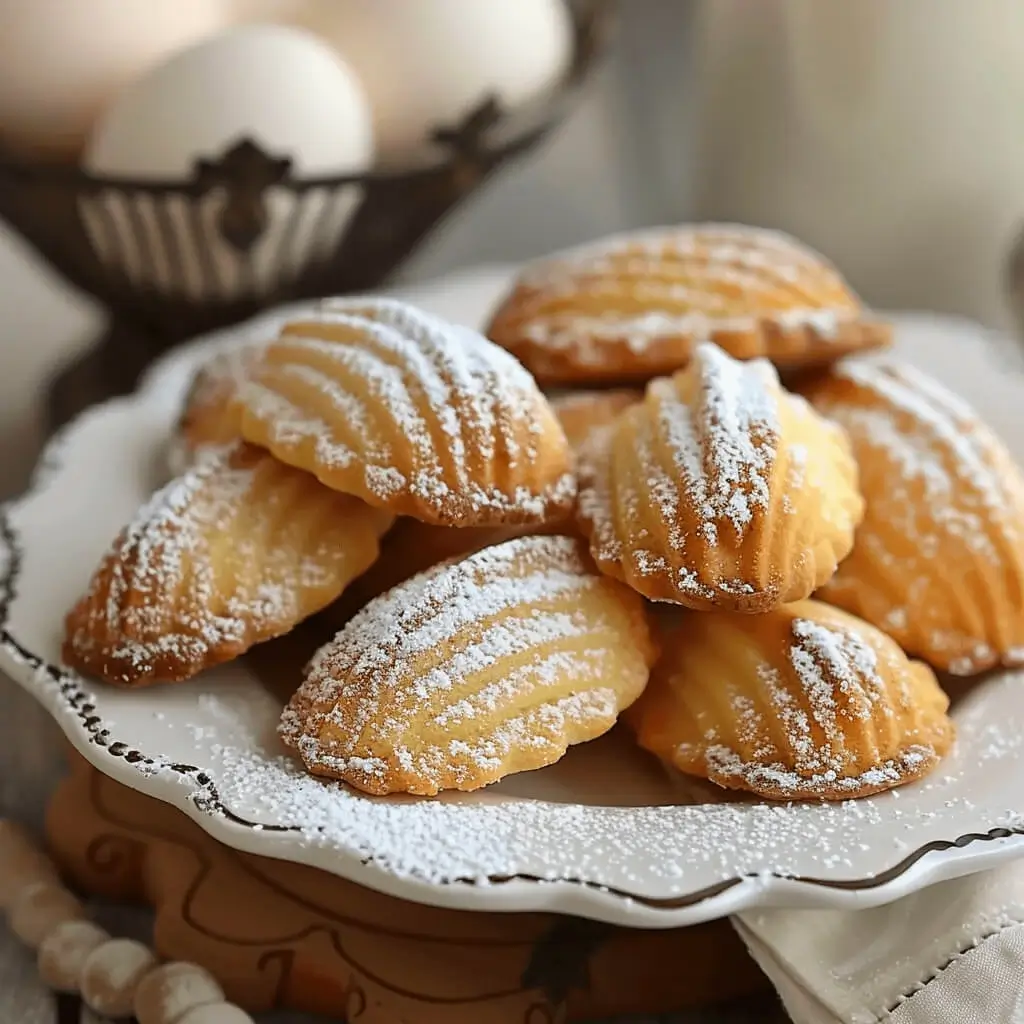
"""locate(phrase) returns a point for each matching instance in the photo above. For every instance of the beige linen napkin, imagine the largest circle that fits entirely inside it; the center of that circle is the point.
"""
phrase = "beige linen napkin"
(951, 953)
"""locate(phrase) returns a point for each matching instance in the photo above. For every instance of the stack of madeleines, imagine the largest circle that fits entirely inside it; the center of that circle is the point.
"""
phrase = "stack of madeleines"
(509, 572)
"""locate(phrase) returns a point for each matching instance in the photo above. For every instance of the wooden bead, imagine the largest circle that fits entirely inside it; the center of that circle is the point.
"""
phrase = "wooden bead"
(22, 863)
(41, 908)
(64, 951)
(166, 994)
(14, 837)
(216, 1013)
(112, 973)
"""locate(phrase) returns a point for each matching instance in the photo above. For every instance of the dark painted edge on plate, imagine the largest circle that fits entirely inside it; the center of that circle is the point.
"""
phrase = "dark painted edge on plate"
(207, 799)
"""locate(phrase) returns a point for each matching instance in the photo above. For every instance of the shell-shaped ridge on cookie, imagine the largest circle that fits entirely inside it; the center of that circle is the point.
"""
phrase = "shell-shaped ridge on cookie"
(720, 490)
(209, 416)
(410, 413)
(473, 670)
(938, 561)
(635, 305)
(234, 552)
(805, 702)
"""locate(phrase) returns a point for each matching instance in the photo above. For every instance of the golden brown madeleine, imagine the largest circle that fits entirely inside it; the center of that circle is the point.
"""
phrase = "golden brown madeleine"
(583, 412)
(236, 551)
(472, 671)
(938, 562)
(411, 414)
(720, 490)
(210, 416)
(805, 702)
(635, 306)
(411, 547)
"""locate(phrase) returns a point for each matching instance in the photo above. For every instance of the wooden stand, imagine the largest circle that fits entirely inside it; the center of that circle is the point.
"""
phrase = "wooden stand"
(281, 935)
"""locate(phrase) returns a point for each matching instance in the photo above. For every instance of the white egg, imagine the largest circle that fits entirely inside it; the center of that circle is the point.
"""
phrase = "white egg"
(426, 64)
(279, 87)
(64, 60)
(266, 10)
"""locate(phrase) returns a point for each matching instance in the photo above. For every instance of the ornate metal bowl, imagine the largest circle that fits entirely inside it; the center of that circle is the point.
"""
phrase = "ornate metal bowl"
(172, 259)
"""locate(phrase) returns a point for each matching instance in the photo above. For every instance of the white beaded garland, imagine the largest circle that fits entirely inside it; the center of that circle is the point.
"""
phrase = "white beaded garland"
(64, 951)
(216, 1013)
(171, 991)
(111, 974)
(22, 863)
(41, 908)
(115, 977)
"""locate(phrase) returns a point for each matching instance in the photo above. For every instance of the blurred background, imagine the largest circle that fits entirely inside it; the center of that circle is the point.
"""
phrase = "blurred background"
(886, 133)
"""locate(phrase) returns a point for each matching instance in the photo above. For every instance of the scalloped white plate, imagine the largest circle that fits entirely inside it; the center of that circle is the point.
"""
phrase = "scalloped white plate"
(601, 834)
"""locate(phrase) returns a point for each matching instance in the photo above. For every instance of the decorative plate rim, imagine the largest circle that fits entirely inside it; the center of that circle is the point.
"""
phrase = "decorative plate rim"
(67, 701)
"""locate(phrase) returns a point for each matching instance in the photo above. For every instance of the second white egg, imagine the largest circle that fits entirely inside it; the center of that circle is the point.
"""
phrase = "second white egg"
(280, 88)
(427, 64)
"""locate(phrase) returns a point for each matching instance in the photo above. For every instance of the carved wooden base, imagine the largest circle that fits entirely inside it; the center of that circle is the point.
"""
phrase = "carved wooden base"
(281, 935)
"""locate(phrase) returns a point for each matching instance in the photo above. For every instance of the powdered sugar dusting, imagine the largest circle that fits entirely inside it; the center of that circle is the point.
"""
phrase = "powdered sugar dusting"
(775, 778)
(555, 824)
(946, 498)
(936, 440)
(709, 456)
(827, 658)
(816, 721)
(402, 675)
(725, 443)
(207, 420)
(692, 281)
(702, 454)
(223, 373)
(415, 406)
(203, 571)
(646, 849)
(165, 544)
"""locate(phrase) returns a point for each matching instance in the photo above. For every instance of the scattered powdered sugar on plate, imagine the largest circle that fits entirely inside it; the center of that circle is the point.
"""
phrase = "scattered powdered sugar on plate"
(661, 852)
(651, 851)
(646, 850)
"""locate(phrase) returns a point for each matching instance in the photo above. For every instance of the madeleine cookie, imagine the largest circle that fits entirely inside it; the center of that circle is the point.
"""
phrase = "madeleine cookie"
(411, 414)
(938, 562)
(634, 306)
(805, 702)
(412, 547)
(472, 671)
(581, 413)
(209, 416)
(235, 552)
(720, 490)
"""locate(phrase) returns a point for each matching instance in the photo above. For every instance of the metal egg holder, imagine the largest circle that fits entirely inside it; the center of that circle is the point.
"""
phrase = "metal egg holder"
(170, 260)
